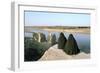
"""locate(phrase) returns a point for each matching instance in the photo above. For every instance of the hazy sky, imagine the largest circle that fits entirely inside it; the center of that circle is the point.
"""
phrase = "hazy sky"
(54, 19)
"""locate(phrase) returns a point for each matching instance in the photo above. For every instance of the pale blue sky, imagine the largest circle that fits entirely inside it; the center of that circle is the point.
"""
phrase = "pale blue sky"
(55, 19)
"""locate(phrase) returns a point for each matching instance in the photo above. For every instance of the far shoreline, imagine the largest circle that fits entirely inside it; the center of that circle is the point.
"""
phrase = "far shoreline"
(68, 30)
(83, 31)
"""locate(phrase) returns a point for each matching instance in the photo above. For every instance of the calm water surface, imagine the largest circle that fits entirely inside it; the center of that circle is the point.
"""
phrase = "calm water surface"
(83, 40)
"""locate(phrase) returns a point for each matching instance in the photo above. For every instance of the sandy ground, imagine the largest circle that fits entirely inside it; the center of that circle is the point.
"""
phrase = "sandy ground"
(53, 53)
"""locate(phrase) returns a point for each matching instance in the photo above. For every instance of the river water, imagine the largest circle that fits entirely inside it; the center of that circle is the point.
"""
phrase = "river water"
(83, 40)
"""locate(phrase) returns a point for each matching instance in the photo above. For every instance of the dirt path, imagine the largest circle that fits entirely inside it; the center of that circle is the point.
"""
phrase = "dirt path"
(53, 53)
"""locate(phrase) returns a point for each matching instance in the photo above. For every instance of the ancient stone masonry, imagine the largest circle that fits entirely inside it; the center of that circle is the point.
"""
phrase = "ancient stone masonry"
(71, 46)
(61, 41)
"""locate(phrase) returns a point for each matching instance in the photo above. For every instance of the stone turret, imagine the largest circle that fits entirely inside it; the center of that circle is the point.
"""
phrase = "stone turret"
(40, 37)
(49, 37)
(61, 41)
(71, 46)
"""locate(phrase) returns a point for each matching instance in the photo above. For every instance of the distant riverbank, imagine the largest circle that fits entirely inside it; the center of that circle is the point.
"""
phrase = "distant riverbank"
(78, 30)
(69, 30)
